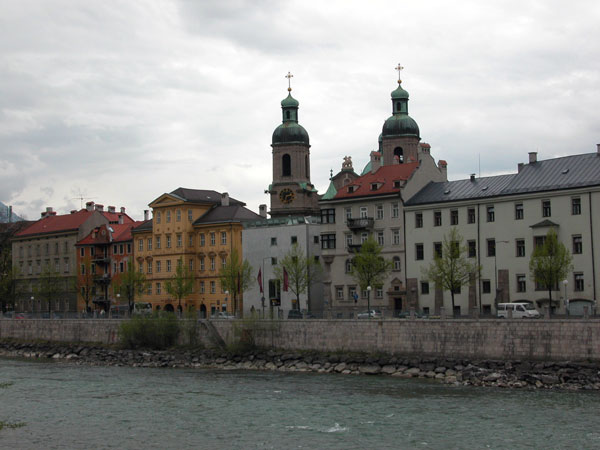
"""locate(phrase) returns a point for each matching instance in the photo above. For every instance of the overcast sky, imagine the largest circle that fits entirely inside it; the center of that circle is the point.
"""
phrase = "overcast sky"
(122, 101)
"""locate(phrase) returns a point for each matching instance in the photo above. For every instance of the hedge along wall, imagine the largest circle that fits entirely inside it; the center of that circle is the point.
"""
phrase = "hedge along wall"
(469, 339)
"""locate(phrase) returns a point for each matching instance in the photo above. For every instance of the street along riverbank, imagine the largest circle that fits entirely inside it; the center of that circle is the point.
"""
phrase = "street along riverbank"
(505, 374)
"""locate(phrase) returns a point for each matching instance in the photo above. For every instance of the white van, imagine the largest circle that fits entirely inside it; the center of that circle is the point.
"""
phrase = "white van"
(519, 310)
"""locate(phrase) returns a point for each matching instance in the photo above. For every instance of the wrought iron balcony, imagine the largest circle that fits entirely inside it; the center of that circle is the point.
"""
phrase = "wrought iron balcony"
(354, 248)
(102, 279)
(363, 223)
(100, 258)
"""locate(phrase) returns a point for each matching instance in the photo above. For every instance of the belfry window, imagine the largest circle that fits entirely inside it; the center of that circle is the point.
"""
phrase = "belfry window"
(400, 154)
(398, 106)
(286, 165)
(287, 115)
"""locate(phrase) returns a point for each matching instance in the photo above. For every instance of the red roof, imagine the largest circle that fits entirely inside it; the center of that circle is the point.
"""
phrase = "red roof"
(384, 177)
(120, 233)
(68, 222)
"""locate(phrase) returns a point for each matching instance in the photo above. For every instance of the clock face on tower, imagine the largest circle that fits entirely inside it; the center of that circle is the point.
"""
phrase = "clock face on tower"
(286, 196)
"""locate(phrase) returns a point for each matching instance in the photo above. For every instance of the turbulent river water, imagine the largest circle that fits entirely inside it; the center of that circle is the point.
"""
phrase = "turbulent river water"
(67, 406)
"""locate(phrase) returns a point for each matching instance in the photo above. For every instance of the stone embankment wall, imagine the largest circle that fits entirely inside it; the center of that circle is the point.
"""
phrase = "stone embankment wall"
(557, 340)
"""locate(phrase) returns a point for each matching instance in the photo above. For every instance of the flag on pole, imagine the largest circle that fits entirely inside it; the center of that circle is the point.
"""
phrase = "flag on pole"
(285, 280)
(259, 279)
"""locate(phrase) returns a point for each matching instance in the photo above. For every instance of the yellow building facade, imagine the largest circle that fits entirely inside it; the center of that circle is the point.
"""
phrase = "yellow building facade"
(197, 228)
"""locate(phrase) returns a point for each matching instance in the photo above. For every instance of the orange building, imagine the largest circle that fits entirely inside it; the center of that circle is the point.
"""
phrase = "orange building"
(200, 228)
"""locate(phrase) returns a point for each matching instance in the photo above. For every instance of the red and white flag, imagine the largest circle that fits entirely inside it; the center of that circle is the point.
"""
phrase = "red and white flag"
(259, 279)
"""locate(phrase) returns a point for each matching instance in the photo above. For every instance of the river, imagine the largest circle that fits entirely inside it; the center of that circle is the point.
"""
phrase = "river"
(66, 406)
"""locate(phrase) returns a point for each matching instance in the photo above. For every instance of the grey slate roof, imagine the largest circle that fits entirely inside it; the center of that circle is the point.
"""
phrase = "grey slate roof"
(203, 196)
(567, 172)
(232, 213)
(145, 226)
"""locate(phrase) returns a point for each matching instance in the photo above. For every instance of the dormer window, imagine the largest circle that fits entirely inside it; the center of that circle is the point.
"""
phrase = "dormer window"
(374, 186)
(350, 189)
(396, 184)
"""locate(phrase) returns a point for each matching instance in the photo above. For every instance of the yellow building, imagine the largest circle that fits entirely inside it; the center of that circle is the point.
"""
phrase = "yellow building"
(198, 228)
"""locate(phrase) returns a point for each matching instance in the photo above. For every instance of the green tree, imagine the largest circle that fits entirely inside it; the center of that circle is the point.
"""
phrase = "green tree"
(550, 263)
(50, 286)
(369, 268)
(301, 270)
(132, 283)
(84, 283)
(181, 284)
(451, 270)
(235, 277)
(8, 274)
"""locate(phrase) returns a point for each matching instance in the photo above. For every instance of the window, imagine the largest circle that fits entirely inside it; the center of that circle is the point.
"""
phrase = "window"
(519, 213)
(178, 215)
(223, 238)
(454, 217)
(223, 262)
(66, 265)
(141, 268)
(579, 285)
(539, 241)
(546, 208)
(158, 268)
(168, 265)
(397, 264)
(471, 215)
(202, 287)
(486, 286)
(191, 265)
(396, 237)
(294, 240)
(168, 241)
(521, 283)
(273, 241)
(115, 250)
(213, 239)
(82, 250)
(328, 241)
(379, 293)
(491, 215)
(437, 249)
(168, 216)
(339, 292)
(179, 240)
(149, 265)
(157, 288)
(212, 263)
(158, 242)
(419, 252)
(149, 243)
(424, 287)
(348, 212)
(120, 249)
(364, 237)
(472, 249)
(380, 238)
(437, 218)
(418, 220)
(213, 287)
(491, 247)
(577, 244)
(202, 263)
(328, 215)
(273, 261)
(363, 212)
(352, 293)
(158, 217)
(575, 206)
(286, 165)
(190, 240)
(149, 290)
(520, 243)
(379, 212)
(202, 240)
(348, 265)
(82, 270)
(316, 239)
(348, 240)
(395, 210)
(190, 215)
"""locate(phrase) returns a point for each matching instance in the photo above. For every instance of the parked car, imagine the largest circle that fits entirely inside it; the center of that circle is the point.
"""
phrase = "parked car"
(406, 315)
(142, 308)
(519, 310)
(294, 314)
(223, 315)
(117, 311)
(373, 314)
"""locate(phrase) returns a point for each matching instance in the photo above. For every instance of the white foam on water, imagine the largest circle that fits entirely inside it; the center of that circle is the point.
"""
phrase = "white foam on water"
(336, 429)
(298, 427)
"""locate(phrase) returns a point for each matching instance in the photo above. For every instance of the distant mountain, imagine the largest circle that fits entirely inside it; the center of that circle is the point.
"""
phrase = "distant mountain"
(4, 214)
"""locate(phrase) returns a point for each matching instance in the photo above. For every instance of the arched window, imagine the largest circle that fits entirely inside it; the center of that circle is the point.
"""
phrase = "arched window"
(400, 154)
(396, 260)
(286, 165)
(287, 115)
(398, 106)
(306, 166)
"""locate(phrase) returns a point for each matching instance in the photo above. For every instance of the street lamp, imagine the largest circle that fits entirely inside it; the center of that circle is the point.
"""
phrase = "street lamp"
(225, 304)
(32, 303)
(565, 284)
(369, 301)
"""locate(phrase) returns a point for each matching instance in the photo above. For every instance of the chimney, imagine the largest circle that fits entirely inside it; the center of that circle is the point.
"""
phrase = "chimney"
(145, 214)
(224, 199)
(520, 167)
(111, 209)
(473, 177)
(47, 213)
(443, 167)
(99, 207)
(122, 210)
(532, 157)
(262, 211)
(73, 211)
(425, 147)
(121, 219)
(89, 206)
(598, 148)
(375, 161)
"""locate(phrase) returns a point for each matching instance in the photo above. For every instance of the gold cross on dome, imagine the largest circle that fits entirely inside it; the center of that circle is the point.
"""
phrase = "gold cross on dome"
(399, 69)
(289, 77)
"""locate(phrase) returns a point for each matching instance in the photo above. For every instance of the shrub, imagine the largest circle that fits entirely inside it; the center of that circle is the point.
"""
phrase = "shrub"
(157, 331)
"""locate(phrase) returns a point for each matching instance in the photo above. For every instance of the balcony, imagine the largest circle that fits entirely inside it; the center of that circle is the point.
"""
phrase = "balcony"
(102, 279)
(100, 259)
(354, 248)
(363, 223)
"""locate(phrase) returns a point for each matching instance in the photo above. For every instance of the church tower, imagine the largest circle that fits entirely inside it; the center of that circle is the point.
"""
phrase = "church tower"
(399, 138)
(292, 193)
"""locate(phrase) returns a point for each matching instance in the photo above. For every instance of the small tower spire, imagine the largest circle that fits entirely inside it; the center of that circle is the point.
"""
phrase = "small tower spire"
(399, 69)
(289, 76)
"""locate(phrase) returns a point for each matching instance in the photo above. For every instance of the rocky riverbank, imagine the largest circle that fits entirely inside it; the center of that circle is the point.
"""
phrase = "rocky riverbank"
(506, 374)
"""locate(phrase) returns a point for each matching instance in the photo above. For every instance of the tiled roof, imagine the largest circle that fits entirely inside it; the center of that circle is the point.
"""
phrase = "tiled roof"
(202, 196)
(232, 213)
(144, 226)
(119, 232)
(385, 176)
(567, 172)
